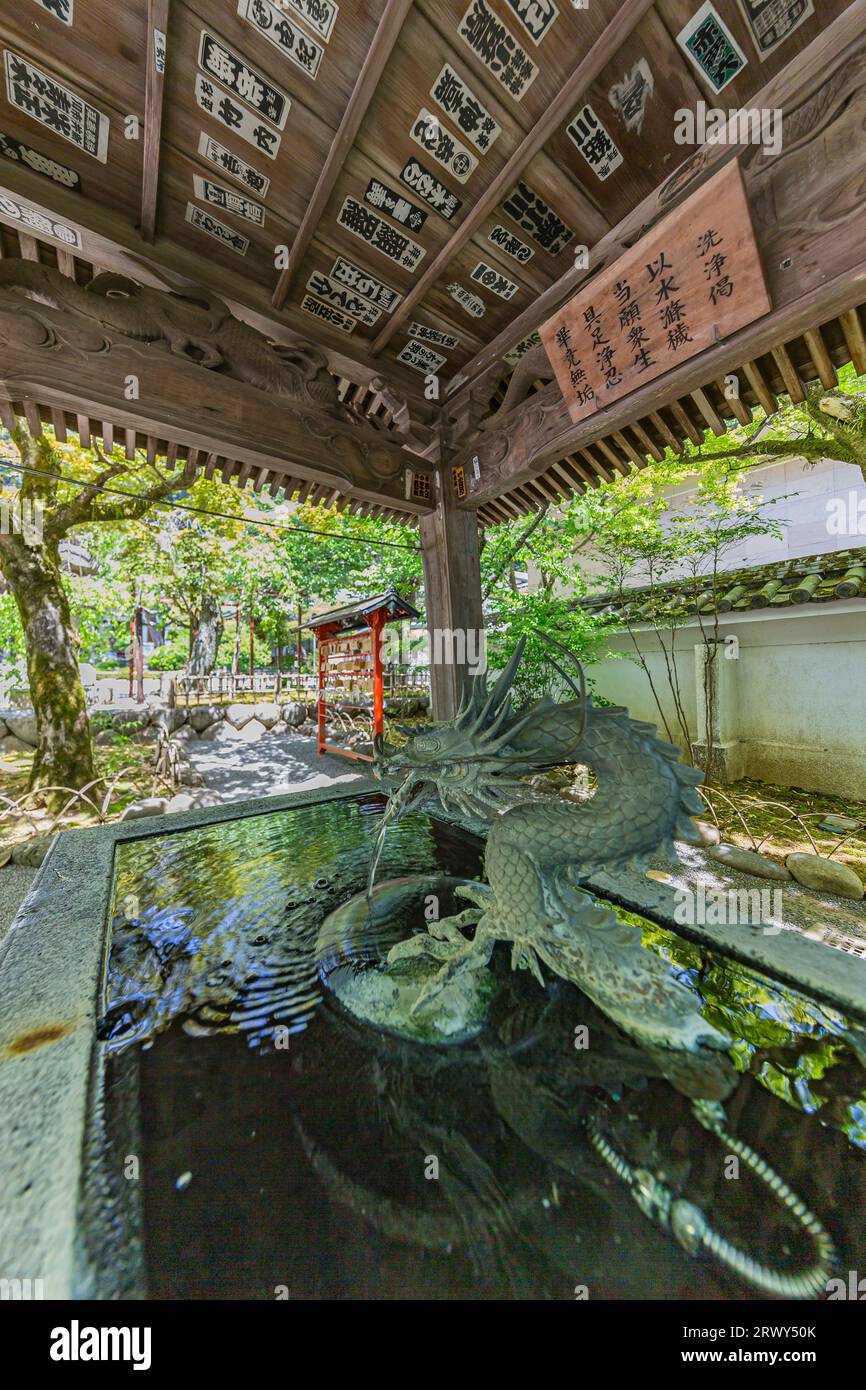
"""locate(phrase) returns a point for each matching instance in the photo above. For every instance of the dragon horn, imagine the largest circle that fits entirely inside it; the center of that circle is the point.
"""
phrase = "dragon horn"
(521, 724)
(503, 684)
(461, 708)
(580, 691)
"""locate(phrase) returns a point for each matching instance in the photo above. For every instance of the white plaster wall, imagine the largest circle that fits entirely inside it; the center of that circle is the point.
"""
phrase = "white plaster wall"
(800, 495)
(799, 712)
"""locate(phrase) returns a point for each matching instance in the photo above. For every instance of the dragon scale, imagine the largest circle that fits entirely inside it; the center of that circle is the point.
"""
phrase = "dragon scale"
(541, 850)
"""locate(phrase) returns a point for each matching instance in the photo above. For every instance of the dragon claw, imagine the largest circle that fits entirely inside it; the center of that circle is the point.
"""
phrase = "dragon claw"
(465, 960)
(478, 893)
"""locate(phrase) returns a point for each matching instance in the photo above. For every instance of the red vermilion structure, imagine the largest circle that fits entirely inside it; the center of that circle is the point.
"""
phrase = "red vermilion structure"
(350, 661)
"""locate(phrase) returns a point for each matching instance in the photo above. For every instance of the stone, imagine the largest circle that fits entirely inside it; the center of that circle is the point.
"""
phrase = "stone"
(150, 806)
(266, 713)
(186, 734)
(193, 801)
(121, 718)
(30, 854)
(239, 715)
(3, 729)
(220, 732)
(844, 824)
(12, 747)
(252, 730)
(825, 875)
(204, 716)
(206, 797)
(281, 727)
(710, 834)
(294, 713)
(169, 719)
(23, 727)
(190, 777)
(746, 861)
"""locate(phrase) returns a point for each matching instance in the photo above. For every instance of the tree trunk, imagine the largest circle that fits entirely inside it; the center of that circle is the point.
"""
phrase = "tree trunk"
(64, 753)
(203, 656)
(236, 658)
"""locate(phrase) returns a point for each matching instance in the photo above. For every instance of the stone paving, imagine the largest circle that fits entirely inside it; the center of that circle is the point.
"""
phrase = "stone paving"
(270, 766)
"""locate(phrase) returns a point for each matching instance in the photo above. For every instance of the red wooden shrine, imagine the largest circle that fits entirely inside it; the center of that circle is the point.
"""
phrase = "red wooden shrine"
(350, 662)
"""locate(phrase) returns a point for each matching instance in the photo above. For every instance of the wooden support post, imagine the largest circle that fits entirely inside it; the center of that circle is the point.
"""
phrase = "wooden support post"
(452, 588)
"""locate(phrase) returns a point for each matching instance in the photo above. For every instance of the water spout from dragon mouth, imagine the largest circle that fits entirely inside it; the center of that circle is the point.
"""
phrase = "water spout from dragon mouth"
(399, 803)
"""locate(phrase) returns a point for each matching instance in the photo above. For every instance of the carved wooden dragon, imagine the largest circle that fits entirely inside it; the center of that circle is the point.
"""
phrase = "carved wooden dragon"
(194, 324)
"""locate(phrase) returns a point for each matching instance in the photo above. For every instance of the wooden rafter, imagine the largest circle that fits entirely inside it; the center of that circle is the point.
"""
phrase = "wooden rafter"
(157, 23)
(599, 55)
(377, 57)
(784, 89)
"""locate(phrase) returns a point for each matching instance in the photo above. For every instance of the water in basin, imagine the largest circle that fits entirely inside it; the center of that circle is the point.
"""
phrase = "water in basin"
(289, 1149)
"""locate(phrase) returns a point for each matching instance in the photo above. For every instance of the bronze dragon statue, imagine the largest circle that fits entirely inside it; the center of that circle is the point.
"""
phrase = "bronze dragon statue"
(541, 850)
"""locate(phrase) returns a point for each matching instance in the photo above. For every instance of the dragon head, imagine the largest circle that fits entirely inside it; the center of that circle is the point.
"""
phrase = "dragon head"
(474, 764)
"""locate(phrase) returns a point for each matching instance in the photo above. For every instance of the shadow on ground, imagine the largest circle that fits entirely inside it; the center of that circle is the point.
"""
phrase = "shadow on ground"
(272, 766)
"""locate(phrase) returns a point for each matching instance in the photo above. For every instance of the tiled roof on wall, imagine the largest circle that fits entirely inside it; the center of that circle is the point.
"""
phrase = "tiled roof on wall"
(823, 579)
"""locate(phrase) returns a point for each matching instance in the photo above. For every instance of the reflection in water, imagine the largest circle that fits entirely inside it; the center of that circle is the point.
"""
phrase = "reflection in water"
(341, 1161)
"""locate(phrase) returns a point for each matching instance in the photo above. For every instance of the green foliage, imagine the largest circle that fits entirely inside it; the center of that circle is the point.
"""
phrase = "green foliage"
(527, 615)
(11, 631)
(225, 654)
(172, 655)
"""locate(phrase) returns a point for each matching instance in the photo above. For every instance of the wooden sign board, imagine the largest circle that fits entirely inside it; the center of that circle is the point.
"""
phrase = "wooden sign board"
(694, 279)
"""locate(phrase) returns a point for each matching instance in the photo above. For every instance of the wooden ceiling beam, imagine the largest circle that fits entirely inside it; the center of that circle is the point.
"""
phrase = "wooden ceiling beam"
(598, 468)
(853, 331)
(790, 375)
(734, 405)
(497, 515)
(666, 433)
(787, 89)
(575, 472)
(546, 489)
(685, 422)
(586, 467)
(821, 360)
(379, 52)
(110, 242)
(629, 449)
(709, 412)
(558, 435)
(606, 46)
(613, 458)
(157, 20)
(756, 379)
(193, 405)
(555, 481)
(646, 442)
(509, 507)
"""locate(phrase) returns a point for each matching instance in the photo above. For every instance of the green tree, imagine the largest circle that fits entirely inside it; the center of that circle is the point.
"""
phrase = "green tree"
(30, 564)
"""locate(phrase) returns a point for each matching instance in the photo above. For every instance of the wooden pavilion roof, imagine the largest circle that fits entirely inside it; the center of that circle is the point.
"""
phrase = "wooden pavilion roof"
(391, 179)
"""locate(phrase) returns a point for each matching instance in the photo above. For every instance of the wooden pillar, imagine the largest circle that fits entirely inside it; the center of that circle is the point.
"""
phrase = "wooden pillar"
(452, 590)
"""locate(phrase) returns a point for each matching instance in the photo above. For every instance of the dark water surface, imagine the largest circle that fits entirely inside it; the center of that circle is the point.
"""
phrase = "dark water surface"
(289, 1151)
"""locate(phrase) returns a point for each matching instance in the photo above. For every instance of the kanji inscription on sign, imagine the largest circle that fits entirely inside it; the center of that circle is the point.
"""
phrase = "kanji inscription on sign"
(695, 278)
